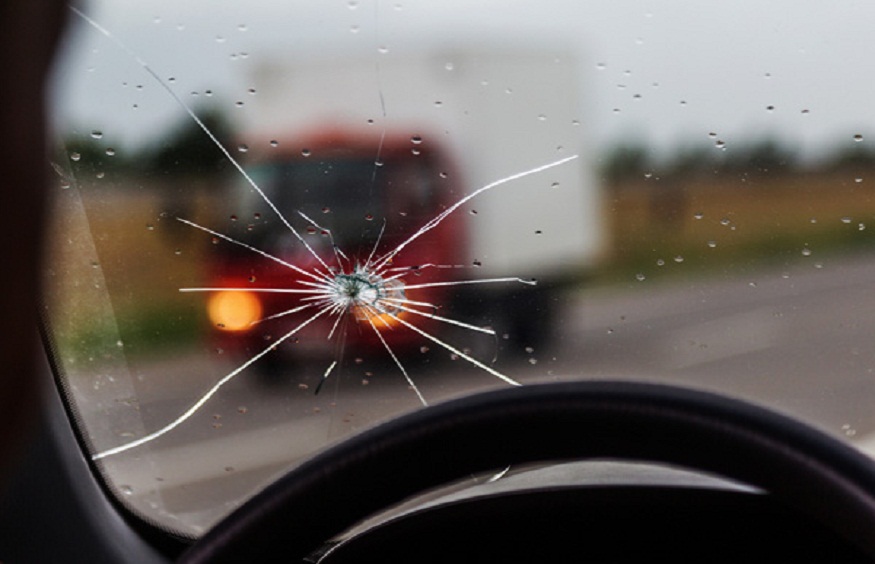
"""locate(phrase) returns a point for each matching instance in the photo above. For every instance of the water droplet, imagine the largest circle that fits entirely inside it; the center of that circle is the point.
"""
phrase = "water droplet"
(127, 490)
(846, 219)
(438, 103)
(848, 430)
(720, 144)
(177, 252)
(242, 147)
(858, 180)
(725, 221)
(423, 349)
(806, 252)
(660, 262)
(75, 156)
(239, 103)
(97, 134)
(416, 139)
(220, 39)
(305, 152)
(712, 244)
(542, 117)
(150, 227)
(352, 4)
(640, 277)
(698, 215)
(242, 27)
(100, 174)
(601, 66)
(274, 143)
(861, 227)
(369, 217)
(476, 263)
(326, 209)
(449, 66)
(251, 91)
(858, 138)
(110, 152)
(770, 109)
(679, 259)
(712, 135)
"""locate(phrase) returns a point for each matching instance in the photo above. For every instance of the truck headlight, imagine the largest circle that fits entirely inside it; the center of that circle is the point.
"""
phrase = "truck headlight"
(234, 311)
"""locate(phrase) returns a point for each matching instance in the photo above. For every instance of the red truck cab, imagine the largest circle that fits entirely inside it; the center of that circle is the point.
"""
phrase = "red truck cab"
(351, 199)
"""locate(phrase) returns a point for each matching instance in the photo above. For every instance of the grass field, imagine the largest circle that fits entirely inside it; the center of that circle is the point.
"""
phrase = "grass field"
(658, 227)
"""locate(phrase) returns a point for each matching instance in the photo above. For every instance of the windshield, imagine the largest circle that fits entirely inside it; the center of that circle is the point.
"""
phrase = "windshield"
(277, 224)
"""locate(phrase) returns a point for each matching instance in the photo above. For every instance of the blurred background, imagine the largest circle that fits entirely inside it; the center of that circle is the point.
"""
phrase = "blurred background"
(714, 228)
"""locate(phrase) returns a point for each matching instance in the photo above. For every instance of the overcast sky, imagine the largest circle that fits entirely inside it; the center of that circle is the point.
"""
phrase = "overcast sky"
(664, 73)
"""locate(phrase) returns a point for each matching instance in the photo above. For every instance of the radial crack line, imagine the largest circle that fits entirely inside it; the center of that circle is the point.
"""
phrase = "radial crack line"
(398, 364)
(435, 221)
(283, 313)
(405, 301)
(444, 319)
(256, 290)
(456, 351)
(462, 282)
(200, 124)
(204, 398)
(297, 269)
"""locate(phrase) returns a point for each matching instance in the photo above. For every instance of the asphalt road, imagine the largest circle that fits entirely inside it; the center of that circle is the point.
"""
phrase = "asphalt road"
(798, 338)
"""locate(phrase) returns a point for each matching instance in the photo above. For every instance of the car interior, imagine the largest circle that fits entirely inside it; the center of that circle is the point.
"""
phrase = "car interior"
(388, 282)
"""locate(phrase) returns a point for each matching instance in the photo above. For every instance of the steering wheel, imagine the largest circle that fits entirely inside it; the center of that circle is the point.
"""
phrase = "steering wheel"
(801, 467)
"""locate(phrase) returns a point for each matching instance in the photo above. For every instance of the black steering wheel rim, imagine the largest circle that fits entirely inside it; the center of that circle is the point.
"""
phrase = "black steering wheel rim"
(803, 467)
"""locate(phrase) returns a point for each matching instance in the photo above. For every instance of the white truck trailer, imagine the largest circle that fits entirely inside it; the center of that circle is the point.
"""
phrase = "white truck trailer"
(496, 112)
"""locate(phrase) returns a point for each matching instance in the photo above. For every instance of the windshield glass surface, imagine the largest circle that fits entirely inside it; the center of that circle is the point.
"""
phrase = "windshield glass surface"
(277, 224)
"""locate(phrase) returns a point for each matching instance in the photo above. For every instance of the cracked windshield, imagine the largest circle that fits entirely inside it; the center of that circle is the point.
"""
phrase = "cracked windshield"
(278, 224)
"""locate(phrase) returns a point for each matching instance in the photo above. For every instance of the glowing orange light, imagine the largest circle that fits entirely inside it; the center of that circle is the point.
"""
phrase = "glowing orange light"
(381, 320)
(234, 311)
